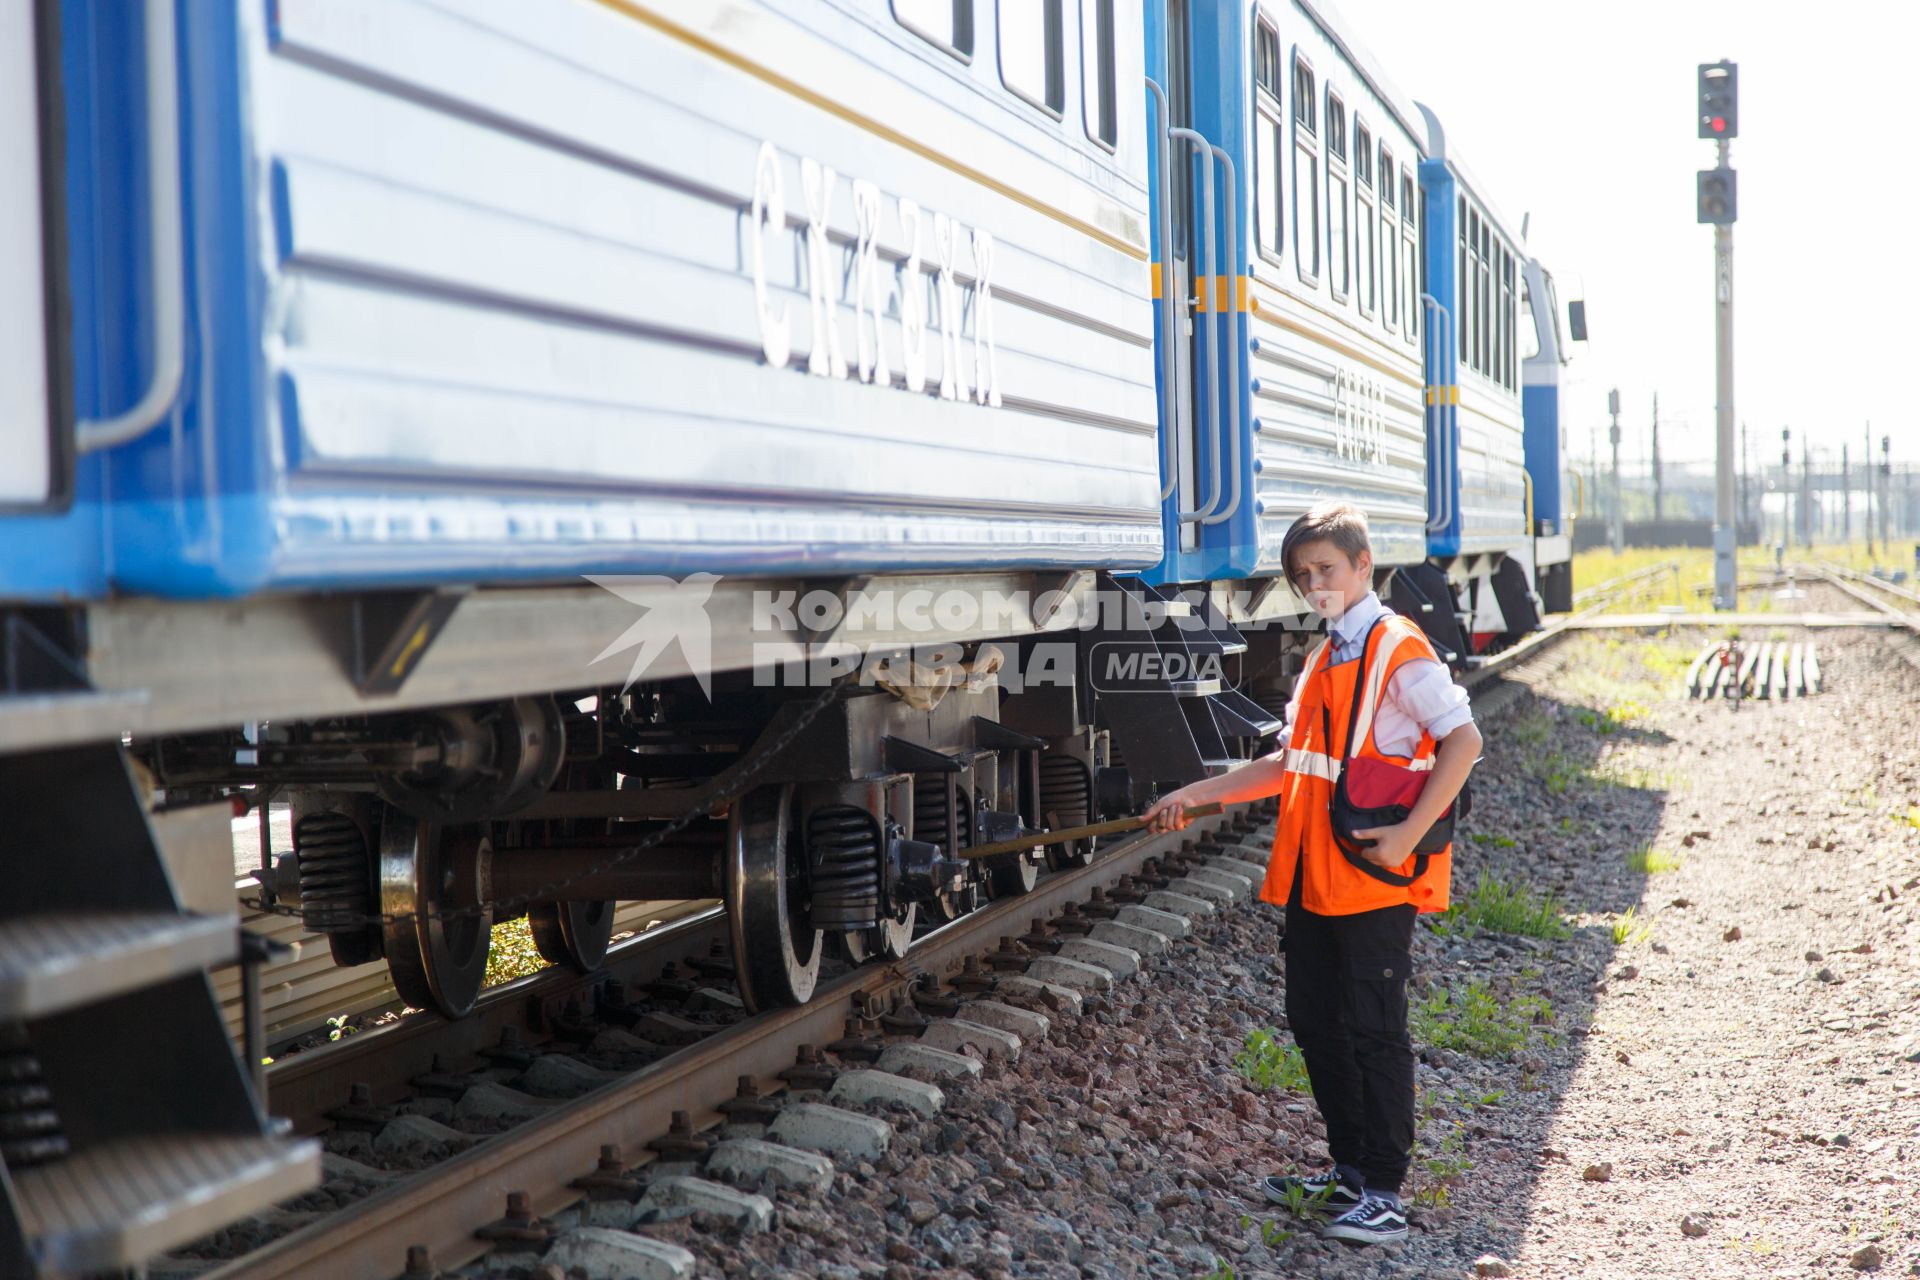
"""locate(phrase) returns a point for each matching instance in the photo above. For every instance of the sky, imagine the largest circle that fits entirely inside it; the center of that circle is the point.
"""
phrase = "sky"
(1584, 116)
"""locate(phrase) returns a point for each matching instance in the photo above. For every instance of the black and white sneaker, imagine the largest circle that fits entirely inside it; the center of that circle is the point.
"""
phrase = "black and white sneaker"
(1377, 1219)
(1321, 1191)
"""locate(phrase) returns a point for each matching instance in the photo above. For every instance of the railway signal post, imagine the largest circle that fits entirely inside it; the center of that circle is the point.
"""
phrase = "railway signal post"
(1717, 205)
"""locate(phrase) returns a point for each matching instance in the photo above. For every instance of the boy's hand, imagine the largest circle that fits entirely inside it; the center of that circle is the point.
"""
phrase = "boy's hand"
(1168, 813)
(1391, 845)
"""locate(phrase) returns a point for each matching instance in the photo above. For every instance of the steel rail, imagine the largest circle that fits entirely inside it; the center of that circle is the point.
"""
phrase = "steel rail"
(304, 1086)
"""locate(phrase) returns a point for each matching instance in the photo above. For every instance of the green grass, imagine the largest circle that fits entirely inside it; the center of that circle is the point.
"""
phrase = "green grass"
(1271, 1064)
(1471, 1019)
(512, 953)
(1695, 570)
(1614, 718)
(1627, 929)
(1497, 905)
(1649, 861)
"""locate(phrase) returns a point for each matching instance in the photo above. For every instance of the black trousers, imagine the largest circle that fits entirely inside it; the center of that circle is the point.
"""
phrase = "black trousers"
(1347, 1005)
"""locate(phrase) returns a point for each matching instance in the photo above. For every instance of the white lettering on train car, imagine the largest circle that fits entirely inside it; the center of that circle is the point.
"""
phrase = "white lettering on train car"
(868, 306)
(826, 359)
(875, 287)
(946, 243)
(1359, 416)
(769, 208)
(986, 371)
(913, 302)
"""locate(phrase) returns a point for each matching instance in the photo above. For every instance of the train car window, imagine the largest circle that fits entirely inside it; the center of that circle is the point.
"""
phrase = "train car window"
(947, 23)
(1306, 172)
(1389, 244)
(1483, 302)
(1529, 328)
(1096, 72)
(1413, 268)
(1266, 130)
(1339, 251)
(1463, 289)
(1506, 318)
(1366, 263)
(1501, 332)
(1032, 62)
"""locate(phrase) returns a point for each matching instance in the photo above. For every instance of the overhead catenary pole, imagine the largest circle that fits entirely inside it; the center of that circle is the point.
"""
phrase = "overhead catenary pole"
(1846, 504)
(1866, 460)
(1616, 518)
(1659, 506)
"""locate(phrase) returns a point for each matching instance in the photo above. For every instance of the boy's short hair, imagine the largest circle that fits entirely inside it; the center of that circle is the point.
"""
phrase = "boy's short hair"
(1340, 523)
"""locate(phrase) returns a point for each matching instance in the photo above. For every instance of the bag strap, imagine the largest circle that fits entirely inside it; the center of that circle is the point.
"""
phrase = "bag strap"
(1360, 863)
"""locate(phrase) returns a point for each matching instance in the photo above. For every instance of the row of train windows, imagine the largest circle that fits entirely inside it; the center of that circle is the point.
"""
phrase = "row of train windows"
(1368, 195)
(1487, 313)
(1033, 59)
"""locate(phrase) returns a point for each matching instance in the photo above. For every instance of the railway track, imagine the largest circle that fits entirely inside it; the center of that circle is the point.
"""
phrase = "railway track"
(430, 1219)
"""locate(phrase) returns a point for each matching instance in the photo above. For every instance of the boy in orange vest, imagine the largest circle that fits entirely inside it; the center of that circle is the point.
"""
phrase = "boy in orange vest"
(1349, 916)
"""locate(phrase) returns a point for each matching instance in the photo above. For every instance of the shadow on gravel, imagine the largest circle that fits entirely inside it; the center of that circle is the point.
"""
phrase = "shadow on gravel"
(1564, 808)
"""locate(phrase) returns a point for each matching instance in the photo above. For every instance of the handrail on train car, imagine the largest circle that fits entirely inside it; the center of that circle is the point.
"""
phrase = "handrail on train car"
(1169, 325)
(1212, 243)
(1580, 490)
(166, 269)
(1444, 413)
(1232, 310)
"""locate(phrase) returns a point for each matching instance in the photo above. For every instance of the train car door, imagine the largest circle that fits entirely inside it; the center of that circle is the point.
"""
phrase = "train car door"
(1177, 288)
(35, 463)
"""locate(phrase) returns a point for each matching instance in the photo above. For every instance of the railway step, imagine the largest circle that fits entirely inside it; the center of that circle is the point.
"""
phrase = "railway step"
(53, 962)
(1188, 682)
(105, 983)
(122, 1201)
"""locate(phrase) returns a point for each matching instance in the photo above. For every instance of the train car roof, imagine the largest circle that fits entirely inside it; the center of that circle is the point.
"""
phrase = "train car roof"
(1437, 149)
(1335, 27)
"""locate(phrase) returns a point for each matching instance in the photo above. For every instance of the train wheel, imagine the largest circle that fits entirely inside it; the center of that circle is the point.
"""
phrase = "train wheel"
(1011, 875)
(890, 941)
(776, 949)
(575, 934)
(438, 933)
(1066, 800)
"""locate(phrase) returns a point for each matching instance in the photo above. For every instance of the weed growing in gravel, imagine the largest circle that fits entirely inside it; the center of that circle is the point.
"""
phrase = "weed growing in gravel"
(1471, 1019)
(1627, 930)
(1272, 1234)
(1498, 842)
(1270, 1064)
(1445, 1168)
(1531, 728)
(1649, 861)
(1615, 717)
(1498, 905)
(512, 953)
(1911, 817)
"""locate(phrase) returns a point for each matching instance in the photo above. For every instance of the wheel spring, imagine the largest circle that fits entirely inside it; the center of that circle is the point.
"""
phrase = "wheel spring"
(30, 1131)
(1066, 791)
(843, 844)
(930, 811)
(336, 893)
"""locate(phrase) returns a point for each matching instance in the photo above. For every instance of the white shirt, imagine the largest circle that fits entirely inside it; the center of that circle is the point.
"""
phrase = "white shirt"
(1420, 696)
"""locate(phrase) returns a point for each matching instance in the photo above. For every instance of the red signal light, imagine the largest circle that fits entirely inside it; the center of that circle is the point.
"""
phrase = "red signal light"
(1719, 124)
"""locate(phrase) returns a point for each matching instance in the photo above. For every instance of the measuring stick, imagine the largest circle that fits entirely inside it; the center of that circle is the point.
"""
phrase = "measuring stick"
(1064, 834)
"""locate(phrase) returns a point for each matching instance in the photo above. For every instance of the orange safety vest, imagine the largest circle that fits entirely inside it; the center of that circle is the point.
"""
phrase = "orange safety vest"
(1330, 885)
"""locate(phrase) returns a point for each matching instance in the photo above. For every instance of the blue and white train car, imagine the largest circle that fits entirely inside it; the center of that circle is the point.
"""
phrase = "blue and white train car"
(1476, 474)
(1558, 490)
(1287, 261)
(345, 336)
